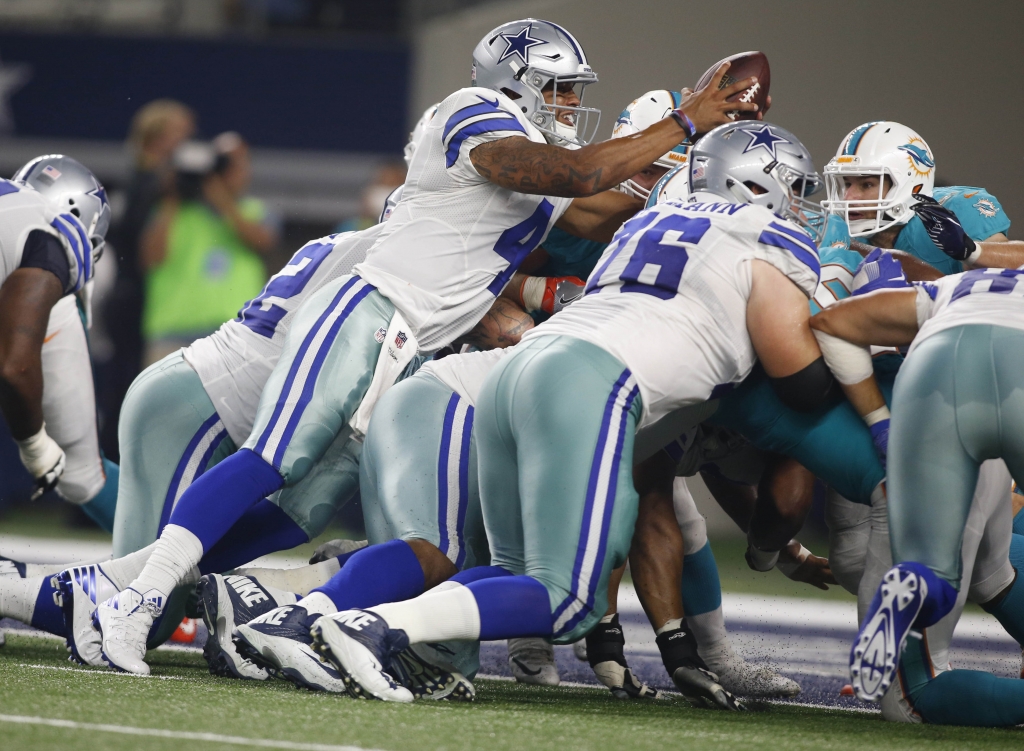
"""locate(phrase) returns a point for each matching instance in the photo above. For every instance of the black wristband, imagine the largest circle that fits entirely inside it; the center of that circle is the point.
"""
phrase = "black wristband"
(685, 123)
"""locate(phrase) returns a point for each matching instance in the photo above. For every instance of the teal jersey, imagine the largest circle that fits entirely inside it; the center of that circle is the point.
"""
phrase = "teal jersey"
(569, 255)
(979, 212)
(838, 266)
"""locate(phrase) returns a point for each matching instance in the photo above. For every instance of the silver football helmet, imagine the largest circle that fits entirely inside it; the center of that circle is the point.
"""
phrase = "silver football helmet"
(752, 161)
(522, 59)
(71, 189)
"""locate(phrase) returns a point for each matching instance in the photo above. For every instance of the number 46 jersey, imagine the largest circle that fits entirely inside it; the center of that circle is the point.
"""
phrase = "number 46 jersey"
(669, 297)
(455, 239)
(235, 361)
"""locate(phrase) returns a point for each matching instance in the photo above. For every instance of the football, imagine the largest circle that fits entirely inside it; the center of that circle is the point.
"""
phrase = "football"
(743, 65)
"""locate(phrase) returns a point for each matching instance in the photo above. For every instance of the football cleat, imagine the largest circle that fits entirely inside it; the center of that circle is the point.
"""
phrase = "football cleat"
(360, 643)
(690, 673)
(76, 590)
(742, 678)
(910, 594)
(227, 602)
(11, 567)
(279, 642)
(124, 622)
(579, 648)
(605, 648)
(532, 661)
(420, 668)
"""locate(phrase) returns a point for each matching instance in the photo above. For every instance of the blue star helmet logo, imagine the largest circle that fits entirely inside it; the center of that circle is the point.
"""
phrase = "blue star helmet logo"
(919, 155)
(766, 139)
(519, 44)
(100, 193)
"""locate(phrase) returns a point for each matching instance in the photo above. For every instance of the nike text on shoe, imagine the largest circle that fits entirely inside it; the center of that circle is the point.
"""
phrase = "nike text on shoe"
(124, 622)
(427, 677)
(532, 661)
(279, 642)
(690, 674)
(910, 595)
(227, 602)
(360, 643)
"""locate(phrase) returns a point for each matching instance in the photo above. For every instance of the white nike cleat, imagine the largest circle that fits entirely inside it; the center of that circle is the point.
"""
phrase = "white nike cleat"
(742, 678)
(124, 622)
(279, 642)
(359, 643)
(532, 661)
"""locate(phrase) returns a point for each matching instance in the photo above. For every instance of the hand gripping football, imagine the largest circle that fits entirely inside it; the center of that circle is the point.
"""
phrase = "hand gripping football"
(743, 65)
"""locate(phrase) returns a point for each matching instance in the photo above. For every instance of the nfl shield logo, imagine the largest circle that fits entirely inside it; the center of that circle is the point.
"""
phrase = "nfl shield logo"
(401, 339)
(379, 336)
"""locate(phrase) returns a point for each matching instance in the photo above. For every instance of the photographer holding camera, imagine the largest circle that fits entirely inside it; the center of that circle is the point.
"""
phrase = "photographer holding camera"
(201, 252)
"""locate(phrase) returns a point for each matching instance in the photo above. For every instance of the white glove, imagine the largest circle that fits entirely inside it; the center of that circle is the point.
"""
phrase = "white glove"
(44, 460)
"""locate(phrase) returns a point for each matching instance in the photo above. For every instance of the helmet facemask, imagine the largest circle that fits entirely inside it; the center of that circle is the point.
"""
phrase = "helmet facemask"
(887, 210)
(529, 94)
(786, 193)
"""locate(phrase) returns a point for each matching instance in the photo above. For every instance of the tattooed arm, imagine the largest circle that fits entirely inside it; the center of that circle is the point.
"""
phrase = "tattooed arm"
(502, 326)
(521, 165)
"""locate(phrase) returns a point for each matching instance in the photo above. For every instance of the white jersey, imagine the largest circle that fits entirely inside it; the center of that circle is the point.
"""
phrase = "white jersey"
(454, 240)
(235, 361)
(23, 210)
(669, 297)
(982, 296)
(465, 374)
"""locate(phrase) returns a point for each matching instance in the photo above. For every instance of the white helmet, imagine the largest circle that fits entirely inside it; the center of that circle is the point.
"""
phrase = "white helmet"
(640, 114)
(674, 186)
(883, 149)
(417, 133)
(521, 59)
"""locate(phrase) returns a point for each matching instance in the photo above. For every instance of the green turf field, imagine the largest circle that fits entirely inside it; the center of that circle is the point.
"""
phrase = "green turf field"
(204, 712)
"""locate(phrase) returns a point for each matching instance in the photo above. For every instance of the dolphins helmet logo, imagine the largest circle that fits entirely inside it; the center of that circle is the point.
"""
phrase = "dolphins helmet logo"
(918, 157)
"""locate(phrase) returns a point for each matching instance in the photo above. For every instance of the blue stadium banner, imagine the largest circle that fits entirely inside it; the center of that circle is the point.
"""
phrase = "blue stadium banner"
(344, 96)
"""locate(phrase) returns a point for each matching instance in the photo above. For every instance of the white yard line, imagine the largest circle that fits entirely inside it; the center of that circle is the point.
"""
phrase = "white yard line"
(175, 734)
(99, 672)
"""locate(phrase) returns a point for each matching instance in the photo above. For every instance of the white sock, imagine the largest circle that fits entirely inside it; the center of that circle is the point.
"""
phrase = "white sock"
(670, 625)
(318, 604)
(709, 630)
(447, 615)
(299, 580)
(124, 570)
(18, 597)
(174, 561)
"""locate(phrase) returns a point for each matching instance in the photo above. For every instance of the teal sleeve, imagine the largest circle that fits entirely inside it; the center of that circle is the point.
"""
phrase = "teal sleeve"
(979, 212)
(833, 443)
(569, 255)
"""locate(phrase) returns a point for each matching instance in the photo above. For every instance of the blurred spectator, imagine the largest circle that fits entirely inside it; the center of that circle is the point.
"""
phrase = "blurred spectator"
(155, 132)
(375, 193)
(201, 250)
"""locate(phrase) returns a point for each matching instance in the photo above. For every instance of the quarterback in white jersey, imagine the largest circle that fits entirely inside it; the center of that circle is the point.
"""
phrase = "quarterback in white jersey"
(53, 219)
(353, 338)
(556, 418)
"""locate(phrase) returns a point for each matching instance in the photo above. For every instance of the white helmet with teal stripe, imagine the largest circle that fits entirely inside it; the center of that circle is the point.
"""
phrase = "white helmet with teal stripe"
(901, 161)
(641, 114)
